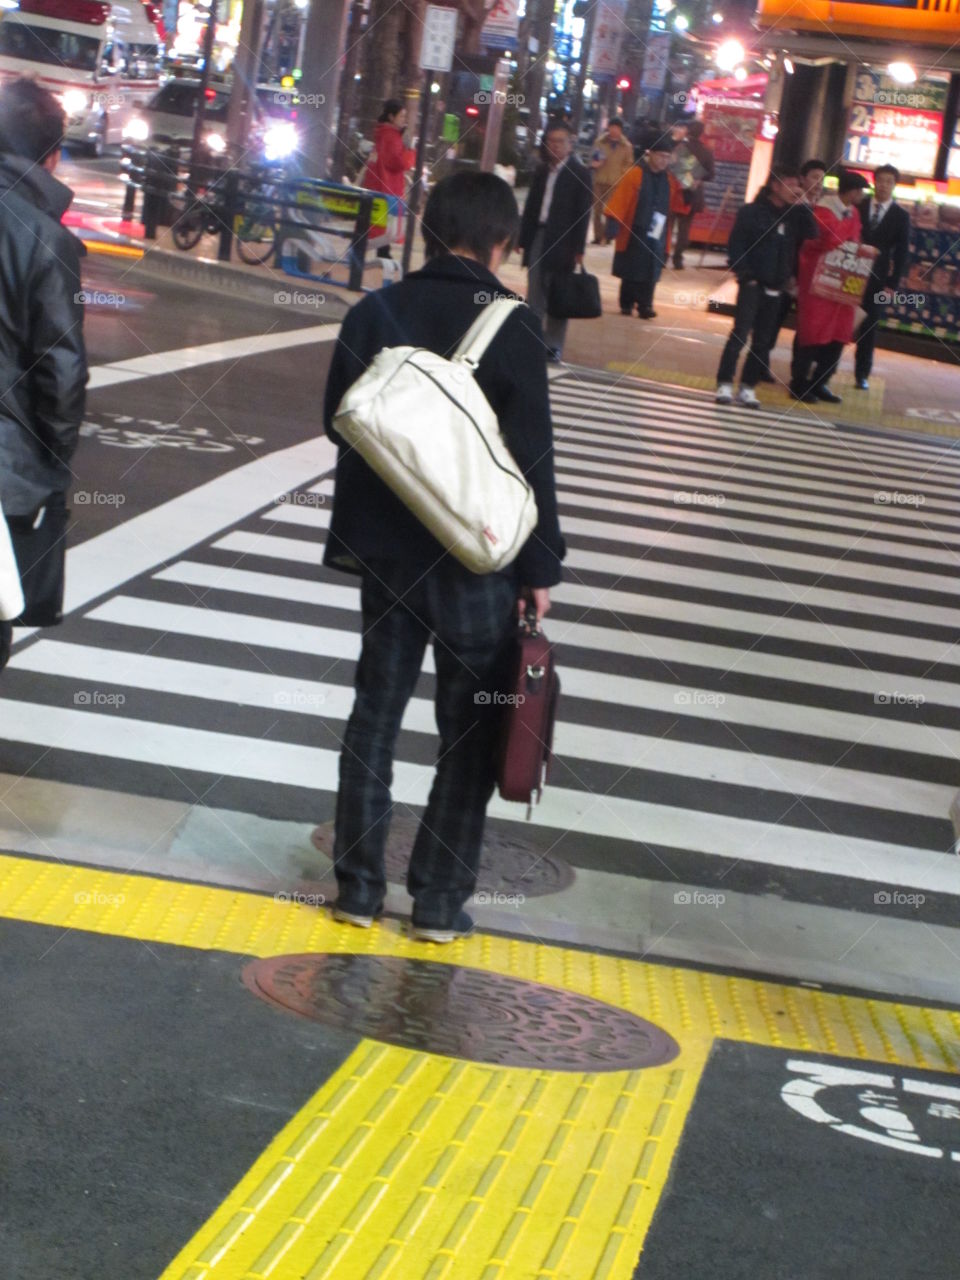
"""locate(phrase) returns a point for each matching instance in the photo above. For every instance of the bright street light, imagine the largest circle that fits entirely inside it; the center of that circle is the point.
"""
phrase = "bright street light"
(902, 72)
(681, 22)
(729, 55)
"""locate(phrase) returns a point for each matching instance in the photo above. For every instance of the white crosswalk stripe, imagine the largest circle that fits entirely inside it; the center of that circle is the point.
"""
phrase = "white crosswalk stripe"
(760, 659)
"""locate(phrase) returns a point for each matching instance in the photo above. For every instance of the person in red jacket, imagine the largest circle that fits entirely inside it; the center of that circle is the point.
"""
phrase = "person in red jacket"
(824, 327)
(388, 163)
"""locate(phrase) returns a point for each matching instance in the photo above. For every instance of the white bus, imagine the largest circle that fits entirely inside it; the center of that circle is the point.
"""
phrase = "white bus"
(102, 60)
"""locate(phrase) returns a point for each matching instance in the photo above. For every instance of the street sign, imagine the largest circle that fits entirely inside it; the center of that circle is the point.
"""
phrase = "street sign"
(439, 38)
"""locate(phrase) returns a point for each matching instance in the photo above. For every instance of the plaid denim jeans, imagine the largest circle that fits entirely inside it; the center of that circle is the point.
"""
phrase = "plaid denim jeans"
(471, 621)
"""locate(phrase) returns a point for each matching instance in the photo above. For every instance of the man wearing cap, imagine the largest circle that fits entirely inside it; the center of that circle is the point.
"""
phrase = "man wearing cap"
(641, 203)
(824, 326)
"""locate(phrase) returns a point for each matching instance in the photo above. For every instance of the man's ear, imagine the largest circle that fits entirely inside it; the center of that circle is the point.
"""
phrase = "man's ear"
(51, 161)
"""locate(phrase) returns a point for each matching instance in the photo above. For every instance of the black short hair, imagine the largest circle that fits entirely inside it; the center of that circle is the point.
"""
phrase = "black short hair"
(809, 165)
(781, 173)
(470, 210)
(557, 126)
(887, 168)
(850, 181)
(615, 121)
(390, 108)
(32, 121)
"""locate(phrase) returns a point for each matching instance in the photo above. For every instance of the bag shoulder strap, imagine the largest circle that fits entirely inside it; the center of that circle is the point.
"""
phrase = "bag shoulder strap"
(483, 330)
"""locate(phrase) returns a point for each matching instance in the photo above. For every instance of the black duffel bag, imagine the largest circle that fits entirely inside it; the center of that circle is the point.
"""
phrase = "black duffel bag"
(40, 544)
(574, 295)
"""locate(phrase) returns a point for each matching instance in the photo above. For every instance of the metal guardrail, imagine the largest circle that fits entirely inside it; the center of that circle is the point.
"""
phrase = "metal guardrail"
(308, 214)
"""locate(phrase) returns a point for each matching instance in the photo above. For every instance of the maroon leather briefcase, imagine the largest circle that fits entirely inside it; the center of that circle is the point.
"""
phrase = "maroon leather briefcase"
(526, 733)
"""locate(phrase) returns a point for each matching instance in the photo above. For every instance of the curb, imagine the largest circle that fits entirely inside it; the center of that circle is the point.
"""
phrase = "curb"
(225, 279)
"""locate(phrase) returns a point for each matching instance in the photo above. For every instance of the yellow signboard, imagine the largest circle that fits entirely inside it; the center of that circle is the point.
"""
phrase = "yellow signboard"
(919, 21)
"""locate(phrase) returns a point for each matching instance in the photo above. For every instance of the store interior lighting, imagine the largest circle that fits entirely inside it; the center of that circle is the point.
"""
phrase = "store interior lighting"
(902, 72)
(681, 22)
(788, 66)
(740, 73)
(729, 55)
(717, 18)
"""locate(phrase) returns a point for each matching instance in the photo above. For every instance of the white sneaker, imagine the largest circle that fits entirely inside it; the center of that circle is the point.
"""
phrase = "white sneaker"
(724, 393)
(747, 396)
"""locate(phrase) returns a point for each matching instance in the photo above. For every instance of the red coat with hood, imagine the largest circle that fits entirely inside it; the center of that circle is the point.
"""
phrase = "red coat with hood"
(389, 161)
(818, 319)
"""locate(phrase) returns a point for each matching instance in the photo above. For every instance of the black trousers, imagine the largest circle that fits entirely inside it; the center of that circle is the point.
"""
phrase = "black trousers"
(755, 320)
(637, 293)
(866, 336)
(815, 366)
(472, 621)
(6, 634)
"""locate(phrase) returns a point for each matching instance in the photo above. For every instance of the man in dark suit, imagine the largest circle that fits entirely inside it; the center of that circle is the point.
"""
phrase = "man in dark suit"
(553, 230)
(886, 225)
(412, 590)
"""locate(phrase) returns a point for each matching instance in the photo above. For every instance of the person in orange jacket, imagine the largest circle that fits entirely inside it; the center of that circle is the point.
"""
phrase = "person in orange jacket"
(641, 203)
(388, 163)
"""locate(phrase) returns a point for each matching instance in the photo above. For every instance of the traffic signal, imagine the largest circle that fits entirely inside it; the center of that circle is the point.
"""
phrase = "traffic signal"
(624, 83)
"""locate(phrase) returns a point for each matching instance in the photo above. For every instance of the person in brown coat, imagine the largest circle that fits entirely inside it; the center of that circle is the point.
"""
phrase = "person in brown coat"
(612, 157)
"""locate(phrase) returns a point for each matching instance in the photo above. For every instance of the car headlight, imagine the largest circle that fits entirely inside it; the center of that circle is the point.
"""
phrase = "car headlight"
(280, 140)
(75, 101)
(216, 143)
(136, 129)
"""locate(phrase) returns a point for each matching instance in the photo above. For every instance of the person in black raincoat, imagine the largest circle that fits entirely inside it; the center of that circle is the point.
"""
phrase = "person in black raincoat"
(641, 203)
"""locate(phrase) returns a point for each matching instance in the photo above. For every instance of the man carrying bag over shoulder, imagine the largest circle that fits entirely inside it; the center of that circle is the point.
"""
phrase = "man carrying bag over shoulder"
(43, 368)
(413, 589)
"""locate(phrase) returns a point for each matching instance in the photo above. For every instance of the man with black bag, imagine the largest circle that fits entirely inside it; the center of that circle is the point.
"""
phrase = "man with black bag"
(43, 366)
(413, 590)
(553, 229)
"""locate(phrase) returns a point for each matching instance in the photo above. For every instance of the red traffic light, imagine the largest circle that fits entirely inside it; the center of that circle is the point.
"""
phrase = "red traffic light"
(473, 111)
(623, 83)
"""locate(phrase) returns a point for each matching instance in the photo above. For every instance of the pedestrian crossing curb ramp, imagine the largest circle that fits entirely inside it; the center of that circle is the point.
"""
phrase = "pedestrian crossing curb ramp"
(415, 1165)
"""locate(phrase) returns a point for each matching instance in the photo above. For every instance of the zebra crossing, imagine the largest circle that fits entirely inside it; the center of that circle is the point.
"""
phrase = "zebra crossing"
(757, 636)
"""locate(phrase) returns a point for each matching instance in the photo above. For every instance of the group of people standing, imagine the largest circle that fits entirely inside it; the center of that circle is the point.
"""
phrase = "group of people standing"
(775, 248)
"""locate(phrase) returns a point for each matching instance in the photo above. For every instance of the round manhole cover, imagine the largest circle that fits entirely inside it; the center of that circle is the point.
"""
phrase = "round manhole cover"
(460, 1012)
(507, 865)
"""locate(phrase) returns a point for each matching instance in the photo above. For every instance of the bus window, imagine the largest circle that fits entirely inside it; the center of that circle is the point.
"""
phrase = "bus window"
(45, 45)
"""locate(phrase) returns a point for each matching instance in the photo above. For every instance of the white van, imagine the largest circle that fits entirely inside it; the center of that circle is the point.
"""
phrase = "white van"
(102, 60)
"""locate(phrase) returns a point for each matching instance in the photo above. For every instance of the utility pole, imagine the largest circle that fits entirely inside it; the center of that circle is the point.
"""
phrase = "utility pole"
(201, 111)
(320, 83)
(244, 79)
(347, 91)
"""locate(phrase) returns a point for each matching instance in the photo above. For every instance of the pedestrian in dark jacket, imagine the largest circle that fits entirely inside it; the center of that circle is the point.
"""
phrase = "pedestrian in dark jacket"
(693, 166)
(762, 250)
(553, 230)
(43, 368)
(413, 590)
(886, 225)
(641, 204)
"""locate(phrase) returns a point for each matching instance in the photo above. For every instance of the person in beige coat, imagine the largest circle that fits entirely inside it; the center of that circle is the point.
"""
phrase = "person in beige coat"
(612, 157)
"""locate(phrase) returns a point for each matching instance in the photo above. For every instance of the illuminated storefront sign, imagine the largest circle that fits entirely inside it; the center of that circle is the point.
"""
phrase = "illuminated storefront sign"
(911, 19)
(895, 124)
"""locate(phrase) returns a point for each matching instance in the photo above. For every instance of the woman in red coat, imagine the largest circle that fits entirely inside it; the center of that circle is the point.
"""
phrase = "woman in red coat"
(388, 163)
(823, 327)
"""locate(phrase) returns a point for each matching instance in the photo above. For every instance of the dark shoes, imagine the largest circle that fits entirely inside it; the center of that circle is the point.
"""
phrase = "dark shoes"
(863, 384)
(767, 376)
(625, 312)
(827, 396)
(647, 313)
(461, 927)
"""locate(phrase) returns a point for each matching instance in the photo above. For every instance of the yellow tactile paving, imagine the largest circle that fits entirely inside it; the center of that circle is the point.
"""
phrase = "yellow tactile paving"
(410, 1166)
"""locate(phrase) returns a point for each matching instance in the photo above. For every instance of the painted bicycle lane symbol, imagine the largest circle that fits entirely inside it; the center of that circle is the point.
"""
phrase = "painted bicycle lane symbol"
(918, 1116)
(127, 432)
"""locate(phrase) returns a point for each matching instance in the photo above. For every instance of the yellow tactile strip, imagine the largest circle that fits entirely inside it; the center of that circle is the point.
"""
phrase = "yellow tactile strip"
(409, 1166)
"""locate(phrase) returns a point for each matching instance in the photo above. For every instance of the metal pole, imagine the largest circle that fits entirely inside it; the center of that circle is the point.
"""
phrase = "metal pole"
(414, 205)
(585, 46)
(204, 82)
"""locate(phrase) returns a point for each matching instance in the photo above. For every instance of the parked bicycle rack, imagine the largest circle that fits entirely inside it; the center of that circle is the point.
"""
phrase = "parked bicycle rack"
(310, 216)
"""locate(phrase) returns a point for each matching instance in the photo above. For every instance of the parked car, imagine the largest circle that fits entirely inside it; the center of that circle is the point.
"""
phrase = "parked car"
(169, 117)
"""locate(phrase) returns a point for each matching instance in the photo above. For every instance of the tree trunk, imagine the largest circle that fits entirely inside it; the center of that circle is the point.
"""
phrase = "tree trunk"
(319, 86)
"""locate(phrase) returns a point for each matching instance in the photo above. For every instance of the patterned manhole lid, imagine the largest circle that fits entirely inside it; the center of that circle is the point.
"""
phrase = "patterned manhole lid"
(507, 865)
(460, 1013)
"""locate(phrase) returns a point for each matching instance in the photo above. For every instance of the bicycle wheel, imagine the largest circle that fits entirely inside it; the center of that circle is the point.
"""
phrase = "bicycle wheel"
(188, 228)
(256, 233)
